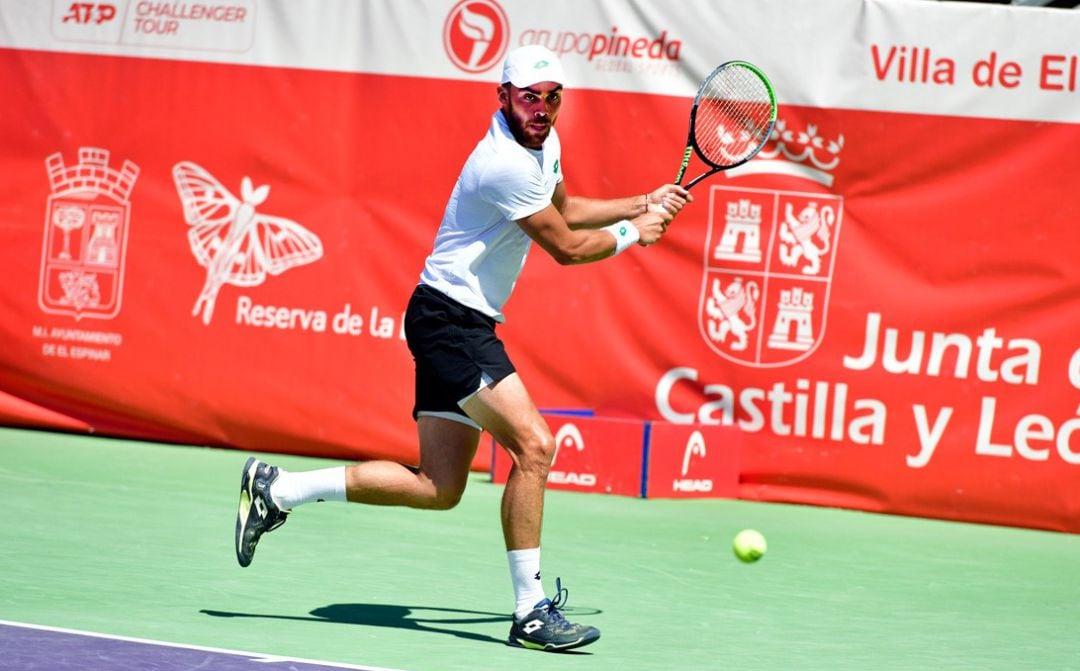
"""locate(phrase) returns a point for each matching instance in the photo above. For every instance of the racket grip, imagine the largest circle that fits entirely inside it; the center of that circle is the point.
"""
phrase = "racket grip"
(685, 163)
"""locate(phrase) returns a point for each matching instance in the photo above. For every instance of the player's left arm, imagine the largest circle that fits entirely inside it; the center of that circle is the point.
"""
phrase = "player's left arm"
(581, 212)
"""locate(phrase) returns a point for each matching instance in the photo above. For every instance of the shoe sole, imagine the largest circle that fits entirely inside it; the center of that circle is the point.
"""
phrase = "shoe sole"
(243, 511)
(551, 647)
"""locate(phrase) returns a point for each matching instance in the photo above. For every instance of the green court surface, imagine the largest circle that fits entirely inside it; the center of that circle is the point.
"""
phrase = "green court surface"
(135, 539)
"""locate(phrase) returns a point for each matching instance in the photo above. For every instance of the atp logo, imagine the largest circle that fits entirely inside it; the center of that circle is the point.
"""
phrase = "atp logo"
(89, 13)
(236, 244)
(476, 34)
(101, 22)
(568, 438)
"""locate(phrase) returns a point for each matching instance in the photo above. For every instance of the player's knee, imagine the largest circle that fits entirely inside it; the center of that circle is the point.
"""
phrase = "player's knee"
(446, 498)
(536, 453)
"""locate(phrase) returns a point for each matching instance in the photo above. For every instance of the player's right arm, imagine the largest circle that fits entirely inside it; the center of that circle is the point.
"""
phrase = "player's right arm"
(582, 212)
(569, 246)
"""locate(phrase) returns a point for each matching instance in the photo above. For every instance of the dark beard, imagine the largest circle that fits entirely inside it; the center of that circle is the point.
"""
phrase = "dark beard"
(518, 130)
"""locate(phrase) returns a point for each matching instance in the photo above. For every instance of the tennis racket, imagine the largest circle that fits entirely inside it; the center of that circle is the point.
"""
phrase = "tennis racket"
(733, 116)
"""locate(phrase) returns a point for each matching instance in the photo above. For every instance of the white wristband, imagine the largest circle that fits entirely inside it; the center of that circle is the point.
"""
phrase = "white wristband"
(625, 234)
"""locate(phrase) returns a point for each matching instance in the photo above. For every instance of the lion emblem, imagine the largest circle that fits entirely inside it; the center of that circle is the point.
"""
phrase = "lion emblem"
(731, 311)
(81, 289)
(797, 235)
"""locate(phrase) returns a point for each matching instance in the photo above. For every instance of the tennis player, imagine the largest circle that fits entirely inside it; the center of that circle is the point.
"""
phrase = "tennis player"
(509, 194)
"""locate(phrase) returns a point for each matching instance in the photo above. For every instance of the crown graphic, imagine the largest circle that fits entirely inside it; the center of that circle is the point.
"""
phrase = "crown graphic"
(802, 152)
(91, 174)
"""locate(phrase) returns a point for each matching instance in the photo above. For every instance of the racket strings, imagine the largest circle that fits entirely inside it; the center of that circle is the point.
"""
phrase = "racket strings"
(733, 116)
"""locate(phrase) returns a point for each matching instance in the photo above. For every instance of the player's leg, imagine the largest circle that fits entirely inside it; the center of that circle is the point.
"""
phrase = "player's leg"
(507, 411)
(268, 494)
(447, 448)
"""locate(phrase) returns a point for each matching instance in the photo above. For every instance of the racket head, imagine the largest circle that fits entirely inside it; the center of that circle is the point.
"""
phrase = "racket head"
(733, 115)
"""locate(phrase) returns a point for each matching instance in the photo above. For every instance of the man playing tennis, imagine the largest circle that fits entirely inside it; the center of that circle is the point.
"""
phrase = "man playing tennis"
(510, 193)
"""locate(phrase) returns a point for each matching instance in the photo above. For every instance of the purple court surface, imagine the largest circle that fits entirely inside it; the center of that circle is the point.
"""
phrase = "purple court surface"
(36, 648)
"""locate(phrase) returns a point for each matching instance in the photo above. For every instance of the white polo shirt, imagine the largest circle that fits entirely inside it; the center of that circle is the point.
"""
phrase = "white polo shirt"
(480, 250)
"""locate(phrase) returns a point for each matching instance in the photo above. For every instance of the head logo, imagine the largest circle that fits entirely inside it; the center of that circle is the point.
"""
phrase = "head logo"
(236, 244)
(695, 447)
(769, 255)
(569, 437)
(86, 231)
(476, 34)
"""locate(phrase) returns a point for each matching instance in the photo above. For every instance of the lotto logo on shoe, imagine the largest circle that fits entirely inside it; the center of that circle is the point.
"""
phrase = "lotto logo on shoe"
(591, 455)
(532, 626)
(693, 461)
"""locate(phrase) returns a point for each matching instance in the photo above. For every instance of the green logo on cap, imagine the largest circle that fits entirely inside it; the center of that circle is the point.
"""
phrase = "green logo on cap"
(540, 64)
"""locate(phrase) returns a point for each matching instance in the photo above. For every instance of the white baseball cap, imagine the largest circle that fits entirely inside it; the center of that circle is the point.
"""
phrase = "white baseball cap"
(532, 64)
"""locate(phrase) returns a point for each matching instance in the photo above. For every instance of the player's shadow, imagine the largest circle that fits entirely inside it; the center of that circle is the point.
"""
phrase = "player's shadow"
(416, 618)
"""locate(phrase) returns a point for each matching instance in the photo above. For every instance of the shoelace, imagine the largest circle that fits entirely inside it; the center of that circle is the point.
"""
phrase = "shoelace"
(562, 595)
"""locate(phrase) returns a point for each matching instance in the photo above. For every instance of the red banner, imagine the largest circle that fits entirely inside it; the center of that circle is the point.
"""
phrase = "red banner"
(692, 461)
(592, 455)
(210, 224)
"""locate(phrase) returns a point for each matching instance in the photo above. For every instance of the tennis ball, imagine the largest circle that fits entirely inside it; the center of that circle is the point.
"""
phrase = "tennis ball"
(749, 545)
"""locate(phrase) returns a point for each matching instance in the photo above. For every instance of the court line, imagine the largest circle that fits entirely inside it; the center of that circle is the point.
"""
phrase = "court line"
(252, 656)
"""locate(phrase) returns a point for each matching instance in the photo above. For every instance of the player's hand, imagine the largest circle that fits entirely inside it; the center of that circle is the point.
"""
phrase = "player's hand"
(651, 225)
(669, 197)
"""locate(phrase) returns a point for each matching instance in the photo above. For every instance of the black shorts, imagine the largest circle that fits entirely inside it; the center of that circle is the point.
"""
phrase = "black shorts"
(455, 350)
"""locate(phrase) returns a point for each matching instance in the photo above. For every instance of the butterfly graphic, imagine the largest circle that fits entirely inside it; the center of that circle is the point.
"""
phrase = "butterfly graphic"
(236, 244)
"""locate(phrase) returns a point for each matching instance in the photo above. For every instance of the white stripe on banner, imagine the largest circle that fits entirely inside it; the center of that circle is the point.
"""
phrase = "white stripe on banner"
(944, 58)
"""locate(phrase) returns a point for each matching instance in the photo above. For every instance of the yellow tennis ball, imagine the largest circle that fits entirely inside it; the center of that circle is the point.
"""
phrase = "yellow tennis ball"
(749, 545)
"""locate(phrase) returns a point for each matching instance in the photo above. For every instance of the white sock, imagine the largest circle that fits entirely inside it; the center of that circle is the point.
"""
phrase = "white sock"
(525, 572)
(295, 489)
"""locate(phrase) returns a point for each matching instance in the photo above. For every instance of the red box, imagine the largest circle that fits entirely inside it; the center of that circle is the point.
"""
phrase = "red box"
(593, 454)
(693, 461)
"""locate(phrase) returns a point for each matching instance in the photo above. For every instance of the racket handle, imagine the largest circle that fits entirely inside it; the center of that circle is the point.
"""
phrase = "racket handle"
(685, 163)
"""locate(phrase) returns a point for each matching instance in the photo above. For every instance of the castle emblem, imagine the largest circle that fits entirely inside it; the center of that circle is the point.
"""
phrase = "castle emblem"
(770, 253)
(86, 231)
